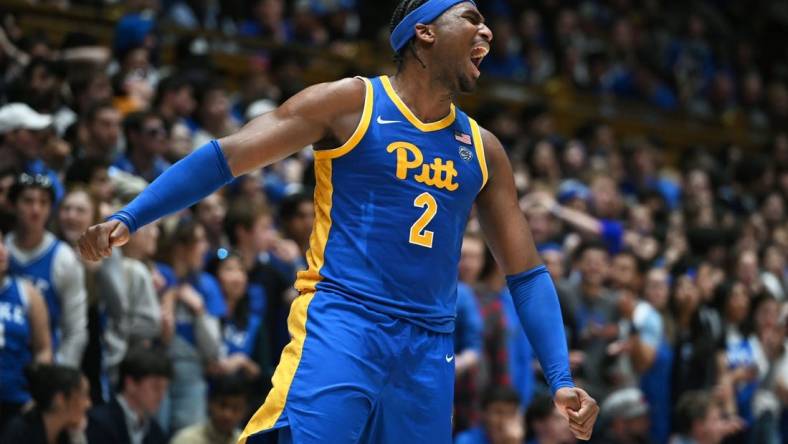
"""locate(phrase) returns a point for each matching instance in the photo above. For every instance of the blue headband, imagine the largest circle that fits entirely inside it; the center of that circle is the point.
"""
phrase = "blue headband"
(426, 14)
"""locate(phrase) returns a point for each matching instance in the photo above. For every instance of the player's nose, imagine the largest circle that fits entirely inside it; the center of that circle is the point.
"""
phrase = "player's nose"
(485, 32)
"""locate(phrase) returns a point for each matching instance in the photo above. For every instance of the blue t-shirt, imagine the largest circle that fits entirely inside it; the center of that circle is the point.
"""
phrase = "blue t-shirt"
(469, 325)
(476, 435)
(207, 286)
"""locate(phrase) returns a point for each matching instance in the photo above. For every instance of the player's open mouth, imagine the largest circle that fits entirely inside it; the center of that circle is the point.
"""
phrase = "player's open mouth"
(477, 55)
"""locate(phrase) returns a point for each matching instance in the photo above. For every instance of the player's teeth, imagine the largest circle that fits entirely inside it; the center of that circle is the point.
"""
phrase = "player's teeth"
(480, 51)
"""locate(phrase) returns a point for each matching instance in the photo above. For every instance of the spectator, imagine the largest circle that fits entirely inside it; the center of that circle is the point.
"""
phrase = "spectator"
(213, 114)
(145, 321)
(120, 317)
(226, 409)
(210, 212)
(502, 421)
(93, 174)
(698, 337)
(513, 349)
(768, 345)
(89, 88)
(268, 22)
(146, 139)
(194, 299)
(739, 360)
(297, 215)
(143, 379)
(62, 399)
(25, 340)
(175, 101)
(242, 323)
(698, 420)
(100, 132)
(656, 381)
(24, 133)
(624, 418)
(545, 424)
(50, 265)
(251, 234)
(7, 214)
(594, 313)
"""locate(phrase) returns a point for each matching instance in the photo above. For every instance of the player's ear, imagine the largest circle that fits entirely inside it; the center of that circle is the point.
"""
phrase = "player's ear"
(425, 33)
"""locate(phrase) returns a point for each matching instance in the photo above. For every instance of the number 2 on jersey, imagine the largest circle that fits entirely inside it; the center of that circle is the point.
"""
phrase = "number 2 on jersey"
(418, 234)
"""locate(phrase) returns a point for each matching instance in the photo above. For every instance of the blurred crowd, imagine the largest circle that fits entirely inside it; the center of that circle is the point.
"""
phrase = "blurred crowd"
(672, 278)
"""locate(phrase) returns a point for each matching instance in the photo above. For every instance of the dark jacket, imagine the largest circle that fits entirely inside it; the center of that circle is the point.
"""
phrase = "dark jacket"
(107, 425)
(29, 428)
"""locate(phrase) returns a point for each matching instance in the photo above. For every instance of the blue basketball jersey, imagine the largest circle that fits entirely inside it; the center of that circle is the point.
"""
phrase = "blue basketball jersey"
(39, 271)
(15, 339)
(391, 207)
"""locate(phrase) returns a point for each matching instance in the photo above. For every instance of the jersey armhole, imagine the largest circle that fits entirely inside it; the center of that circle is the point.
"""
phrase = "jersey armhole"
(358, 134)
(478, 145)
(24, 297)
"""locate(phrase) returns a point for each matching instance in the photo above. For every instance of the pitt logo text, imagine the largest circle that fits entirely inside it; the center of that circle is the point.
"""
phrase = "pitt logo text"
(438, 174)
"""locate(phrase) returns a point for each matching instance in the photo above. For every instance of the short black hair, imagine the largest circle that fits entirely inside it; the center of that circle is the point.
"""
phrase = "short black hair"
(142, 361)
(82, 170)
(404, 8)
(590, 245)
(692, 406)
(288, 208)
(227, 385)
(541, 407)
(93, 109)
(242, 214)
(45, 381)
(500, 394)
(172, 83)
(26, 181)
(135, 121)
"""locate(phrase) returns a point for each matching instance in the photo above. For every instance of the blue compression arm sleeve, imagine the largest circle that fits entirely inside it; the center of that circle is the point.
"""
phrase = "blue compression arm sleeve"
(537, 305)
(195, 176)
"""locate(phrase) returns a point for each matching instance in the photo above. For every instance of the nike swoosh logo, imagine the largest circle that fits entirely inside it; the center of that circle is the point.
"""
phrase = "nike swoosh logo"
(449, 358)
(386, 122)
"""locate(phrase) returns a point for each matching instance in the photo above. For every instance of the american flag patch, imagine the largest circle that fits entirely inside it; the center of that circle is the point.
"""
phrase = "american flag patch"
(462, 137)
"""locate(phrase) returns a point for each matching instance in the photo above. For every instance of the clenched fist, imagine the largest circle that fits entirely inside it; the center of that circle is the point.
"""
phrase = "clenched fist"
(97, 242)
(580, 409)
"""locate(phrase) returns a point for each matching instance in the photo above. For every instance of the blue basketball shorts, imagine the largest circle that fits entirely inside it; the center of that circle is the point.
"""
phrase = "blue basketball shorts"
(353, 375)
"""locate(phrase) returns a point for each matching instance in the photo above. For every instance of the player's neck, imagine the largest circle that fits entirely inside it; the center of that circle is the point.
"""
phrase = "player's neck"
(429, 100)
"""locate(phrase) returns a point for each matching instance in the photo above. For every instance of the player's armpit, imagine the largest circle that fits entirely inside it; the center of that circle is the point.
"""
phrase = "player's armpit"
(503, 224)
(313, 114)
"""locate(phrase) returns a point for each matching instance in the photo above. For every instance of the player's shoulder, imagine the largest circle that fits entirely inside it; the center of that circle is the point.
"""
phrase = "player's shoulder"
(494, 151)
(343, 94)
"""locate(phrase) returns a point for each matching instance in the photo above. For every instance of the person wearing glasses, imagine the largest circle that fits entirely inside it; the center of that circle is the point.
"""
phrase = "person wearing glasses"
(51, 265)
(146, 143)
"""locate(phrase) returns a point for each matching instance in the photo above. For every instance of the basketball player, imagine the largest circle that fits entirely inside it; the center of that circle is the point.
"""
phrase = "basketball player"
(398, 168)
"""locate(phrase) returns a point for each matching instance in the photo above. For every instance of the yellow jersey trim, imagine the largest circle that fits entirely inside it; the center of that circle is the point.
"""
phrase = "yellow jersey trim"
(307, 280)
(361, 128)
(267, 415)
(478, 145)
(432, 126)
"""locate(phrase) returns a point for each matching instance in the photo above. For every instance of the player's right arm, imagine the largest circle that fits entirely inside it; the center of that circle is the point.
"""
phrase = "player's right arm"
(327, 111)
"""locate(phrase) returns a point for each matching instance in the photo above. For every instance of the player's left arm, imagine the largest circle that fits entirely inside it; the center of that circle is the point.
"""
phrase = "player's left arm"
(509, 238)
